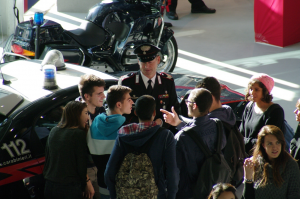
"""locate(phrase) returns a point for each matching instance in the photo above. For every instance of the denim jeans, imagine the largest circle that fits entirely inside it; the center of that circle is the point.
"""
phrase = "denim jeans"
(62, 191)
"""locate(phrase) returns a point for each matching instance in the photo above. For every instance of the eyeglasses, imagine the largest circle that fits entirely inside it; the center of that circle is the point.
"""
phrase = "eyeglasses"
(187, 102)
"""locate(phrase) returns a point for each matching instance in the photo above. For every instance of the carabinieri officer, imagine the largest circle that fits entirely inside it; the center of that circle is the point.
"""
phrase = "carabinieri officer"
(147, 81)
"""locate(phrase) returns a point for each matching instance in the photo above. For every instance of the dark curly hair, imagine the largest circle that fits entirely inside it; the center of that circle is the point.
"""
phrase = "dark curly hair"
(219, 188)
(267, 97)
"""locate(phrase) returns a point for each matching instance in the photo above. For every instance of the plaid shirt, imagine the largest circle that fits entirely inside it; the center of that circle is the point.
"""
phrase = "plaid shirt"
(136, 127)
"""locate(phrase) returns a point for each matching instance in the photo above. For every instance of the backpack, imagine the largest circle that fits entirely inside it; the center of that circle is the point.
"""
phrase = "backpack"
(234, 152)
(287, 130)
(135, 178)
(214, 169)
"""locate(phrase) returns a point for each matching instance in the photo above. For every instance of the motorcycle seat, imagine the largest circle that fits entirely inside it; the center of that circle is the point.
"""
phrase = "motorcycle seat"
(88, 34)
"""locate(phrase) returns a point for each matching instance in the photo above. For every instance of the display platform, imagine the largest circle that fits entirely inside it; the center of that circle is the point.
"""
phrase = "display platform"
(277, 22)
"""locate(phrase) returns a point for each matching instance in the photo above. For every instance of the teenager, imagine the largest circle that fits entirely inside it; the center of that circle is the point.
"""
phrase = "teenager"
(256, 114)
(65, 170)
(272, 172)
(103, 131)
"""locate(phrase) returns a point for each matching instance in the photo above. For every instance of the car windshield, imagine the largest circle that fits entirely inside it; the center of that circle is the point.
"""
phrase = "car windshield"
(9, 101)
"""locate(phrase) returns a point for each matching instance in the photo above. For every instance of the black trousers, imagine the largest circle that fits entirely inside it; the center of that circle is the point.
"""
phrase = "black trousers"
(172, 4)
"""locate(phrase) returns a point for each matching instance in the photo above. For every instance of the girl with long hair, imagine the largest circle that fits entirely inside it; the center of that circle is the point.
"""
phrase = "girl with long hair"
(223, 191)
(260, 111)
(272, 172)
(65, 156)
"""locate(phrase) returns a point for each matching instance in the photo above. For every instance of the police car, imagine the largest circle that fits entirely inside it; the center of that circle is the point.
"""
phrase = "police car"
(29, 110)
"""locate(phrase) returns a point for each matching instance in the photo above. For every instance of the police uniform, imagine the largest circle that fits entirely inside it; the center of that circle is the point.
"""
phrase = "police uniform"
(163, 91)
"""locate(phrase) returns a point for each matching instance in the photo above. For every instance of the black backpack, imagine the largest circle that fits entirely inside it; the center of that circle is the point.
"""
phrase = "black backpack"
(215, 168)
(234, 152)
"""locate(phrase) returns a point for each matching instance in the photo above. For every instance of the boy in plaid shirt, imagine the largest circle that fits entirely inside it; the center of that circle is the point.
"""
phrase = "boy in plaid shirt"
(162, 151)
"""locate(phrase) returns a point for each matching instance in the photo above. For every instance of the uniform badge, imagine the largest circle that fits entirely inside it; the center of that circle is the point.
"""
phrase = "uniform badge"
(145, 48)
(165, 75)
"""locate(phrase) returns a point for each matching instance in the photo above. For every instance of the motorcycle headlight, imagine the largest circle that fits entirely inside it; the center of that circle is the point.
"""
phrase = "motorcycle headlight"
(157, 22)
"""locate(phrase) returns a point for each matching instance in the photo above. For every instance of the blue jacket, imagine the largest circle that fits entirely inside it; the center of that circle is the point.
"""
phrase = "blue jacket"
(101, 140)
(162, 152)
(188, 155)
(104, 131)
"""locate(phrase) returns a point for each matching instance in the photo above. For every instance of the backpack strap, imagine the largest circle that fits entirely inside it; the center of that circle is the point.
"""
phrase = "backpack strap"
(146, 146)
(220, 134)
(198, 140)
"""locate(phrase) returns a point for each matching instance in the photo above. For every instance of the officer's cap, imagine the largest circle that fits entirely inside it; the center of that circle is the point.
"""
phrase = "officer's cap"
(146, 52)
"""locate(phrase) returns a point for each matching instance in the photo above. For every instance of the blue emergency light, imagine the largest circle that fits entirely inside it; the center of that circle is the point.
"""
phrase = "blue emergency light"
(38, 18)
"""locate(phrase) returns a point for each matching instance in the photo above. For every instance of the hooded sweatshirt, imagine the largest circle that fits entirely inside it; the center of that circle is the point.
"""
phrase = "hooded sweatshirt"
(225, 114)
(101, 139)
(162, 152)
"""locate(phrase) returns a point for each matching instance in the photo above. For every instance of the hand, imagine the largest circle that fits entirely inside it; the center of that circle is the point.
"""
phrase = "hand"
(171, 118)
(159, 121)
(248, 169)
(89, 190)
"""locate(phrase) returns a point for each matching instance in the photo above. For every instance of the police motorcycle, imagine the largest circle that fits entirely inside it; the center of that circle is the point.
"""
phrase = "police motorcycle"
(105, 41)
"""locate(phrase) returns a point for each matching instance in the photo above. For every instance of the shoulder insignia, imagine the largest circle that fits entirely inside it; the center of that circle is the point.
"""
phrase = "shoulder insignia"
(129, 75)
(165, 75)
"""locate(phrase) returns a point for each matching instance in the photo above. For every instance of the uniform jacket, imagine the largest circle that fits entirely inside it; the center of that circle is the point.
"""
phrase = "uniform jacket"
(164, 92)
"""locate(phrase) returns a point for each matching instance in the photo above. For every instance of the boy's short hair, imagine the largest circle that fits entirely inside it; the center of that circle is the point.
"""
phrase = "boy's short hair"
(144, 107)
(211, 84)
(87, 83)
(203, 99)
(116, 94)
